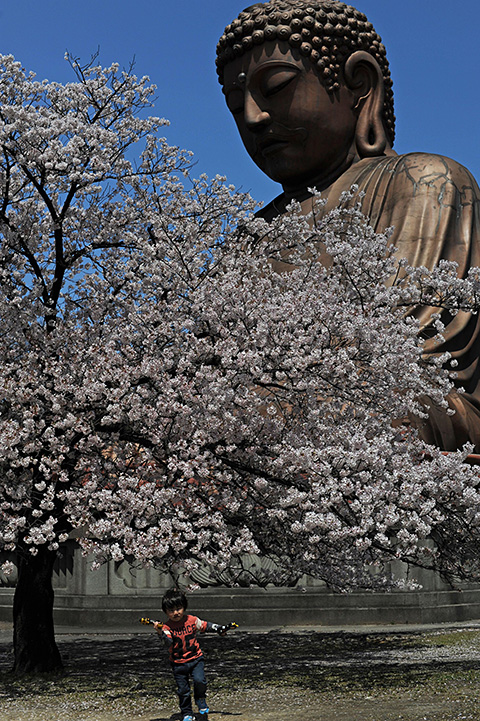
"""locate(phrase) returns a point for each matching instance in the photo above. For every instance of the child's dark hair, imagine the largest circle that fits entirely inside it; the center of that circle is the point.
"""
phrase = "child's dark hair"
(174, 598)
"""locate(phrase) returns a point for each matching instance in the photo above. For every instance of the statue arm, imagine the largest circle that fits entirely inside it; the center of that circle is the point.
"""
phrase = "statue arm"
(433, 204)
(437, 216)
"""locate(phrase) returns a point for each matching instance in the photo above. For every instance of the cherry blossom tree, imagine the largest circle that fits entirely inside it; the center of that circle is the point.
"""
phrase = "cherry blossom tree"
(71, 197)
(173, 397)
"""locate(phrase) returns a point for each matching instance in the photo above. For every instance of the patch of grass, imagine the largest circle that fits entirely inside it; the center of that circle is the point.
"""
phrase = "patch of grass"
(451, 638)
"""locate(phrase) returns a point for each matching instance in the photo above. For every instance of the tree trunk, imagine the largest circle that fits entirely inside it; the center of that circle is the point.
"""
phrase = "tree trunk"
(33, 633)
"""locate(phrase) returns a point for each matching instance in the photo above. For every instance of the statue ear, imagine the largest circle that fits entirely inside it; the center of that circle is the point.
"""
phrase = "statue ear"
(364, 77)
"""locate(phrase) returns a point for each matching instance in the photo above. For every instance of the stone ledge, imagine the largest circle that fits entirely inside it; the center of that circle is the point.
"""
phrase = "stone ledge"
(275, 607)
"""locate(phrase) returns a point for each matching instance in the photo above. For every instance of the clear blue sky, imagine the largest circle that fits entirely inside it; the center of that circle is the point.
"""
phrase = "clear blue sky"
(432, 46)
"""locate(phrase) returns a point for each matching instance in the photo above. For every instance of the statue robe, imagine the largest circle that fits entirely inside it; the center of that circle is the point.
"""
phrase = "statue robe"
(433, 204)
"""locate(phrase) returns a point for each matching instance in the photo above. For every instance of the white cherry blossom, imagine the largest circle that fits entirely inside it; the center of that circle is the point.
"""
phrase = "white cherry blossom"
(170, 396)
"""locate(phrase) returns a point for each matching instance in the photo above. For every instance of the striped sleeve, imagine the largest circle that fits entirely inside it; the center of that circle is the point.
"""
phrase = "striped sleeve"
(166, 635)
(201, 626)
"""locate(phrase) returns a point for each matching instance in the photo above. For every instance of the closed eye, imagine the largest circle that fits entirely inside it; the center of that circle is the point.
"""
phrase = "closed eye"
(276, 79)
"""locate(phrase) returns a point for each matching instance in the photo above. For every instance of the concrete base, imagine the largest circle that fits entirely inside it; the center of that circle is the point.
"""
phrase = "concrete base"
(271, 607)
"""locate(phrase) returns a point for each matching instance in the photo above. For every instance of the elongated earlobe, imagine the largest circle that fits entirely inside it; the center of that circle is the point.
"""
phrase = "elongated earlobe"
(364, 77)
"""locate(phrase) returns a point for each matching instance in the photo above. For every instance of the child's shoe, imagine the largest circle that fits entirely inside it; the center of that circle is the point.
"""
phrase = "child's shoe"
(202, 706)
(188, 718)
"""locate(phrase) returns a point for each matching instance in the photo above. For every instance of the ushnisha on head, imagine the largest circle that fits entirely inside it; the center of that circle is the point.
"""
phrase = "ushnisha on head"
(326, 39)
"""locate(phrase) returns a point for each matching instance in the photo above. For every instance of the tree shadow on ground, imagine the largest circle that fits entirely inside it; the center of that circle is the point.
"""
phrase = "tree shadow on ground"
(307, 660)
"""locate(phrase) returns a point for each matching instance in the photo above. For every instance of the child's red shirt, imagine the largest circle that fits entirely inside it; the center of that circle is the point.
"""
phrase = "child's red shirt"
(181, 637)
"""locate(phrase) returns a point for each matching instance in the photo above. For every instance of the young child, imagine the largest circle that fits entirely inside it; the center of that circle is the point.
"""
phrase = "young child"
(179, 633)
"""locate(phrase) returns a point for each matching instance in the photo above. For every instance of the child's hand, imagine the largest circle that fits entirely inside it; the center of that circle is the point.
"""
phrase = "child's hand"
(222, 630)
(158, 626)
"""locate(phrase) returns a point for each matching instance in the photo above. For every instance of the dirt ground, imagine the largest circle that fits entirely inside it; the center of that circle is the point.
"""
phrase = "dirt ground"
(277, 676)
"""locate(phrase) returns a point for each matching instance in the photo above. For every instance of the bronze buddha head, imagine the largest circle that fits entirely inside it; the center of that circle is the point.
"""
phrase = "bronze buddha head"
(309, 85)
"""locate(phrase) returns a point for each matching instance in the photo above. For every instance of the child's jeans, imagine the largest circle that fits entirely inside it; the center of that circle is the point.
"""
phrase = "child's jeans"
(182, 673)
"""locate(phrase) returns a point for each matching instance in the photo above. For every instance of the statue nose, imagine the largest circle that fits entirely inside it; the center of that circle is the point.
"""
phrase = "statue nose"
(254, 116)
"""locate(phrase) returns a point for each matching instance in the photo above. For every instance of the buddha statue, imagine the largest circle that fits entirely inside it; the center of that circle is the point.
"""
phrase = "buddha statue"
(309, 86)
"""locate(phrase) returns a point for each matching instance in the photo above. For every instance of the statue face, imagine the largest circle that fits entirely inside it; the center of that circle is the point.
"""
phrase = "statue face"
(292, 128)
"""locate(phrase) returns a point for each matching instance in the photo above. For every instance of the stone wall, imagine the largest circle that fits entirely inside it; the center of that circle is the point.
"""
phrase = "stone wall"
(118, 595)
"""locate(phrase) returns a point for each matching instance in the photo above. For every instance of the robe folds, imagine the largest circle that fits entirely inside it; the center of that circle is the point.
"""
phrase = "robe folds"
(433, 205)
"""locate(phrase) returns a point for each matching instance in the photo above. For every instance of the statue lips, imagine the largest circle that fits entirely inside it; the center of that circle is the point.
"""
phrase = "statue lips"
(273, 141)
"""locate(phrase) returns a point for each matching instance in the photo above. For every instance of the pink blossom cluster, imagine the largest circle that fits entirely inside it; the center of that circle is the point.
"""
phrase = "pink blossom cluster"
(171, 396)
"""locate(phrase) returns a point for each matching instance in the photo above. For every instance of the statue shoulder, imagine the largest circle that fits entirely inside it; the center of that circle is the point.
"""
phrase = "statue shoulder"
(395, 183)
(430, 168)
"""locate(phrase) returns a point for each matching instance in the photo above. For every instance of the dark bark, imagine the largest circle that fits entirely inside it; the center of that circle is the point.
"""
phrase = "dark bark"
(33, 632)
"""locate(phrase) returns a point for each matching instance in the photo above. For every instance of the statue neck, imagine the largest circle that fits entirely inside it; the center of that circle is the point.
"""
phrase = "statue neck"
(321, 180)
(324, 180)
